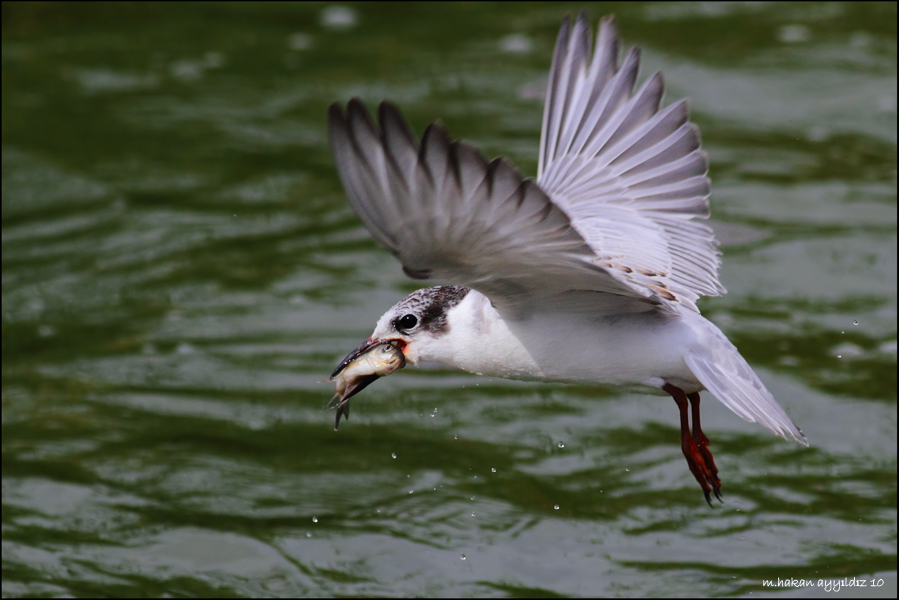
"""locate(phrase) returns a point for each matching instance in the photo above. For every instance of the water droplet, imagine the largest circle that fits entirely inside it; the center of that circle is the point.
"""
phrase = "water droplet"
(472, 513)
(627, 470)
(410, 491)
(516, 43)
(855, 322)
(493, 469)
(842, 333)
(462, 557)
(455, 437)
(472, 497)
(379, 510)
(342, 18)
(393, 455)
(839, 356)
(308, 534)
(475, 476)
(561, 445)
(299, 41)
(792, 34)
(556, 507)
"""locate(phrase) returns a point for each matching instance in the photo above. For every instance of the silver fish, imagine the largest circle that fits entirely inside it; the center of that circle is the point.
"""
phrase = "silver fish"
(360, 369)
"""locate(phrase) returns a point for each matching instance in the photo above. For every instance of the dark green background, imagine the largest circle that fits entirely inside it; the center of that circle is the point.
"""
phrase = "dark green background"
(181, 270)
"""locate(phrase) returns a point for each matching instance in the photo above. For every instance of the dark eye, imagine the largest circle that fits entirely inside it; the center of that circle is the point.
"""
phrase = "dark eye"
(407, 322)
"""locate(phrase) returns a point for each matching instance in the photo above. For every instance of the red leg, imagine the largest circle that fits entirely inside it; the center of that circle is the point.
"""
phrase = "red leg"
(705, 474)
(702, 442)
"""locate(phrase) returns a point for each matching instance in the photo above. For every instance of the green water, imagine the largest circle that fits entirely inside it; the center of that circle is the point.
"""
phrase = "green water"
(181, 270)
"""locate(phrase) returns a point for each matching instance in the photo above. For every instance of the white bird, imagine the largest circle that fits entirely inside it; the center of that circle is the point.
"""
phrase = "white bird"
(588, 275)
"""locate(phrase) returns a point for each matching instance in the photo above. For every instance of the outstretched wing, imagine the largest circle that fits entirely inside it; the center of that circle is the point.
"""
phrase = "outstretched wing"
(631, 177)
(446, 213)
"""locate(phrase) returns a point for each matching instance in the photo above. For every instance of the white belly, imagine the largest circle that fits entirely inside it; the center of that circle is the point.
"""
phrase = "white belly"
(630, 350)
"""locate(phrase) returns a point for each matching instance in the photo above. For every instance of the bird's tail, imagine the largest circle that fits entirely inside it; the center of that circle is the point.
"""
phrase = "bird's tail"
(721, 370)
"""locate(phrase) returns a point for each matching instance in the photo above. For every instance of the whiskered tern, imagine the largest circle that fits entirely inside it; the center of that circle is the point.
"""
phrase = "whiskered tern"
(588, 274)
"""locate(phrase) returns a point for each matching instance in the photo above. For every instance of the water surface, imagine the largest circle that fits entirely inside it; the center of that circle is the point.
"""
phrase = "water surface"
(181, 271)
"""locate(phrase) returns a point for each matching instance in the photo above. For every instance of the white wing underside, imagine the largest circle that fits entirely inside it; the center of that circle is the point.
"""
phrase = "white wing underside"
(609, 226)
(631, 178)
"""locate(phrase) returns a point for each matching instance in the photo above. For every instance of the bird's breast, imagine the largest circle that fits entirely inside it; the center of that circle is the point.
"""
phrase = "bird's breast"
(628, 350)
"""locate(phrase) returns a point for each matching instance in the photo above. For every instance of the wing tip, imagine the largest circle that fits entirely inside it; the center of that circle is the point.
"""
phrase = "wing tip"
(608, 33)
(356, 111)
(633, 56)
(793, 432)
(435, 133)
(564, 33)
(395, 130)
(657, 81)
(355, 105)
(336, 125)
(335, 111)
(388, 111)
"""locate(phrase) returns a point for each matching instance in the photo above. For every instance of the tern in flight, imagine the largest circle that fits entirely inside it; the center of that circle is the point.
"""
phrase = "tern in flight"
(588, 274)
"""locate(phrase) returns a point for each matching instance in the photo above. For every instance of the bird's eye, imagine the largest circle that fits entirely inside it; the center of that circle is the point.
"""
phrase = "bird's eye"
(407, 322)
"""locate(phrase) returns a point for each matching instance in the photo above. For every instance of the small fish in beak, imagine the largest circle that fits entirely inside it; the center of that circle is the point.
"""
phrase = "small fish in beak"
(359, 369)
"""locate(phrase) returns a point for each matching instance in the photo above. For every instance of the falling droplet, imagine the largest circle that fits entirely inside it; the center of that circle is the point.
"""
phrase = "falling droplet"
(839, 356)
(393, 455)
(308, 534)
(472, 513)
(561, 445)
(462, 557)
(472, 497)
(627, 470)
(410, 491)
(493, 469)
(455, 437)
(315, 519)
(556, 507)
(379, 510)
(855, 322)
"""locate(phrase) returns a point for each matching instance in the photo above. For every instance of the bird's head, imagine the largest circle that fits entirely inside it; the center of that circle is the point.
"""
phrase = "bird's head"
(415, 325)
